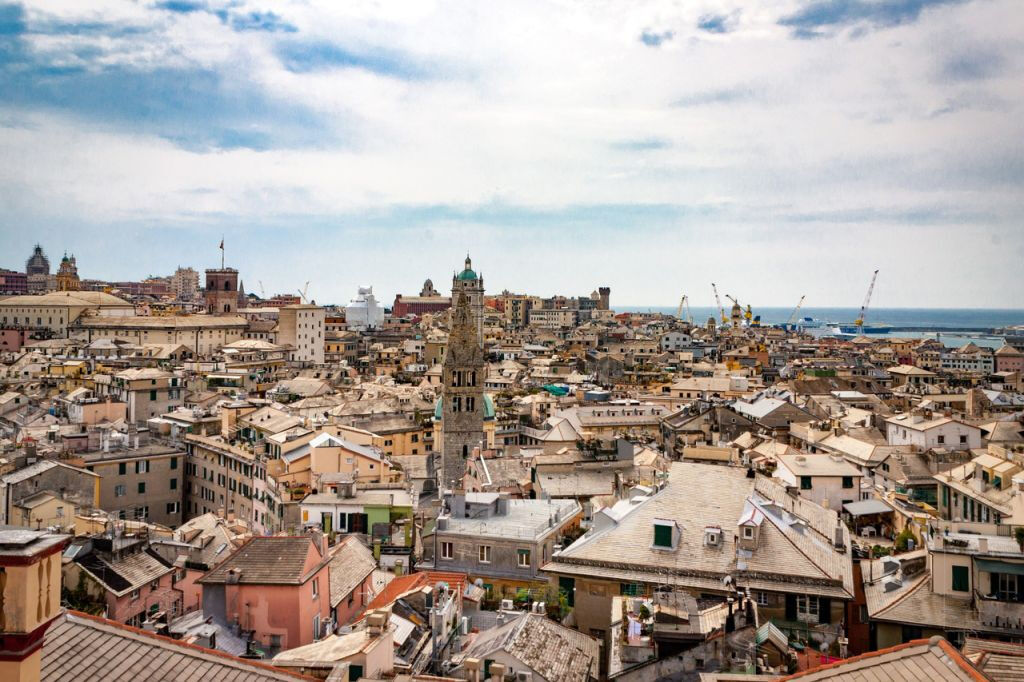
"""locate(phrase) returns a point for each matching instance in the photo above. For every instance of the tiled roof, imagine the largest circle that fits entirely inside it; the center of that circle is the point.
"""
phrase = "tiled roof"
(555, 652)
(396, 588)
(790, 556)
(127, 573)
(1001, 661)
(82, 648)
(267, 561)
(350, 564)
(932, 659)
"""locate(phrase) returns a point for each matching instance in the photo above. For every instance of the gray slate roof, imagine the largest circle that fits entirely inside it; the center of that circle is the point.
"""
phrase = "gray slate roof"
(81, 648)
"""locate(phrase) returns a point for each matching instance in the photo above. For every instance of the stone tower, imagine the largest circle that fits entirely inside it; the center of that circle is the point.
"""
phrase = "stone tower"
(222, 291)
(462, 398)
(472, 285)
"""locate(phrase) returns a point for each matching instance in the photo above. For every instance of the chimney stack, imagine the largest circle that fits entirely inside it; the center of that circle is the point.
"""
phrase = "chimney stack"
(497, 672)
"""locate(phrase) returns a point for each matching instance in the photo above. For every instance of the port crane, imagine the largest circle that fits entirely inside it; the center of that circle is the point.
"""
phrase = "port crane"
(302, 292)
(748, 314)
(867, 301)
(796, 311)
(718, 302)
(684, 302)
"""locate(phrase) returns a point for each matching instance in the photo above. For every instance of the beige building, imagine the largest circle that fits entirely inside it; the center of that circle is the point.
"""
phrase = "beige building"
(302, 327)
(202, 334)
(148, 392)
(57, 311)
(145, 484)
(220, 476)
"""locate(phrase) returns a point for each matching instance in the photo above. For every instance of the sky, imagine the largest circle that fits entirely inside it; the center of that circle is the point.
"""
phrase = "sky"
(778, 148)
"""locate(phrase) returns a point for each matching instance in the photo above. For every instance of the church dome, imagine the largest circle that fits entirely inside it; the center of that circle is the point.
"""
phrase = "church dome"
(467, 275)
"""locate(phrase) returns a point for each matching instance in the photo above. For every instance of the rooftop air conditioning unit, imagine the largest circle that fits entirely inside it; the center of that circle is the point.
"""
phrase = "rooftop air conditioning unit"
(506, 605)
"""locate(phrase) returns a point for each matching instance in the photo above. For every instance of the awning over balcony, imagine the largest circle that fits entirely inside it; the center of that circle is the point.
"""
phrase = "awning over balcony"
(992, 566)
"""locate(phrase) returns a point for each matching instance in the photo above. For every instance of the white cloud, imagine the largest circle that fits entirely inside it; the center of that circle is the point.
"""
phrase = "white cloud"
(825, 148)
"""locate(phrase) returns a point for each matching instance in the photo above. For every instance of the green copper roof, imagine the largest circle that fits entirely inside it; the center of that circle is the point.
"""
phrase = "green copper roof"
(467, 274)
(488, 408)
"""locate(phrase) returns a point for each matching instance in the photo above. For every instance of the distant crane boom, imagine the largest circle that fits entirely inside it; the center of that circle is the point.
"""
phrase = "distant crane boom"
(867, 301)
(302, 292)
(684, 302)
(796, 311)
(718, 302)
(263, 292)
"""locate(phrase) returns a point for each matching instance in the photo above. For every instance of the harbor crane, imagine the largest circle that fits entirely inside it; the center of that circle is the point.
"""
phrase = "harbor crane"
(684, 302)
(718, 302)
(796, 311)
(302, 292)
(867, 301)
(748, 314)
(263, 293)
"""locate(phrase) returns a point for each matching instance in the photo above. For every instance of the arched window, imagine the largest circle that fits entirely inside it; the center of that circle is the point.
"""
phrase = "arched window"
(227, 307)
(227, 285)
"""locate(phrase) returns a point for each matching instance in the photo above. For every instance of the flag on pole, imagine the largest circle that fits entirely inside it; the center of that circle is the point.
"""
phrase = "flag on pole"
(222, 243)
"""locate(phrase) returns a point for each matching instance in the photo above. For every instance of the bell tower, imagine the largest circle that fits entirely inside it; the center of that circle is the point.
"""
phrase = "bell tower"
(471, 284)
(462, 398)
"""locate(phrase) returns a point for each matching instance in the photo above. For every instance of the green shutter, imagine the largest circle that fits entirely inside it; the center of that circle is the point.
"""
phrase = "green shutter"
(961, 579)
(662, 535)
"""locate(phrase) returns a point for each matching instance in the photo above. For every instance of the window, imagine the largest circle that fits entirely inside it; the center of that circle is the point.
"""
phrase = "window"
(847, 481)
(805, 483)
(963, 439)
(762, 598)
(807, 605)
(142, 467)
(122, 468)
(174, 462)
(316, 587)
(135, 594)
(523, 558)
(316, 626)
(942, 439)
(173, 507)
(1006, 586)
(662, 535)
(484, 554)
(152, 395)
(119, 491)
(961, 579)
(174, 484)
(748, 533)
(142, 487)
(447, 550)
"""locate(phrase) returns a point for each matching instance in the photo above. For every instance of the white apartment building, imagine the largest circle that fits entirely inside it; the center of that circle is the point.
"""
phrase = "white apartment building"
(927, 433)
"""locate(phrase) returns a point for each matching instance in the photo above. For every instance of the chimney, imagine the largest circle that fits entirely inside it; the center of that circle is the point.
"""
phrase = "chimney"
(497, 672)
(22, 629)
(839, 543)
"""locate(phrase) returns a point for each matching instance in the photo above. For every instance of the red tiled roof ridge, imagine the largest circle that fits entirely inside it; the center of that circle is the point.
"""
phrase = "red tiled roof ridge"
(177, 642)
(942, 643)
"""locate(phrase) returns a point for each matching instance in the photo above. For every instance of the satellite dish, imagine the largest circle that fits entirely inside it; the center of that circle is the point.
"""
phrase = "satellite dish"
(727, 580)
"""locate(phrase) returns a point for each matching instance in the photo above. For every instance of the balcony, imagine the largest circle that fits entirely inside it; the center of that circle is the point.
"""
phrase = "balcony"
(1002, 614)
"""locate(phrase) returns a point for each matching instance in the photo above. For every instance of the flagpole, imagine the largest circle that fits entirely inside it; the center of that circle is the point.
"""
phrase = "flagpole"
(222, 252)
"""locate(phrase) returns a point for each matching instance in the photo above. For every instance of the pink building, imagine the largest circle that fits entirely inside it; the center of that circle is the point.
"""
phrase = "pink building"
(1009, 359)
(123, 573)
(276, 589)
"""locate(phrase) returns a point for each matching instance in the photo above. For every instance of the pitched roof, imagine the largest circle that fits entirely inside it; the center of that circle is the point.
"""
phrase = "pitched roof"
(128, 573)
(87, 648)
(350, 563)
(794, 549)
(1001, 661)
(553, 651)
(268, 561)
(932, 659)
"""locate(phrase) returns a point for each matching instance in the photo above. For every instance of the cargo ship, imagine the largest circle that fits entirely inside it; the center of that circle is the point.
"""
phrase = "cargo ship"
(851, 329)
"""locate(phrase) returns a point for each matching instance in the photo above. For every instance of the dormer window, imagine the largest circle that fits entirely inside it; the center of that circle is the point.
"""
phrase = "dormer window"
(665, 536)
(748, 533)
